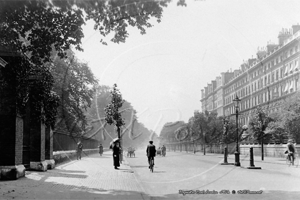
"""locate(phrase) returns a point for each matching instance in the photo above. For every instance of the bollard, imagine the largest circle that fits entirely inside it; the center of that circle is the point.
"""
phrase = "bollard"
(252, 166)
(225, 158)
(225, 155)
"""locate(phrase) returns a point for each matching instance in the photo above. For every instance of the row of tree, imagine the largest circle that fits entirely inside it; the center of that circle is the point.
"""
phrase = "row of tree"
(38, 36)
(264, 127)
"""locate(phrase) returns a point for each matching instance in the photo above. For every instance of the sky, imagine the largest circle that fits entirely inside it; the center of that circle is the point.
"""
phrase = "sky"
(162, 72)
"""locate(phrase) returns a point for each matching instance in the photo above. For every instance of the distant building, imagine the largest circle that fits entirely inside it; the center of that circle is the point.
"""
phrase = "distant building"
(266, 80)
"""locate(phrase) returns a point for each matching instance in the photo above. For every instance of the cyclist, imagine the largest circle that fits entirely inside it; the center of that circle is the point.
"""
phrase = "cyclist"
(151, 151)
(291, 150)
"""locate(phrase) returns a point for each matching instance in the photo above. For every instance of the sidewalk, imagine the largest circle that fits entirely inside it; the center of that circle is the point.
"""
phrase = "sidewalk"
(92, 177)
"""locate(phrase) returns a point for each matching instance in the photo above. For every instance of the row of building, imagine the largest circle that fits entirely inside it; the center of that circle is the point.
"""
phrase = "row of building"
(265, 80)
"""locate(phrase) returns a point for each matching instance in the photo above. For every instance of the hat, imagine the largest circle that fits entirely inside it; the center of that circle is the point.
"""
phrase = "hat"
(150, 141)
(290, 140)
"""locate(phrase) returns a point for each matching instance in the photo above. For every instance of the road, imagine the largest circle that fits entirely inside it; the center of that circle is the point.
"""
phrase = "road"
(198, 173)
(94, 177)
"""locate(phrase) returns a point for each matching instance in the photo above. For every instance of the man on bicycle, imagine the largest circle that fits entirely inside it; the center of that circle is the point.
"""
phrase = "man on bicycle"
(291, 150)
(151, 151)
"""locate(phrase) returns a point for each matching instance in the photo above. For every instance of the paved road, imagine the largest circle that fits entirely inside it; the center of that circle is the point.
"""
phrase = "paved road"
(94, 177)
(189, 172)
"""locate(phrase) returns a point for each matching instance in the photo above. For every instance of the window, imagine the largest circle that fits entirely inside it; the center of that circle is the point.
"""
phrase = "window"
(296, 48)
(277, 75)
(266, 79)
(281, 72)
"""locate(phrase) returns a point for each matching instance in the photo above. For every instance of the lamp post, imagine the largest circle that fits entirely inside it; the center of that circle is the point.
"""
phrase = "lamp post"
(225, 128)
(236, 153)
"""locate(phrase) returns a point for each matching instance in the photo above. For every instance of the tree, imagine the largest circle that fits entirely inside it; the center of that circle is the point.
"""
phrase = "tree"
(258, 125)
(208, 127)
(289, 118)
(57, 25)
(75, 84)
(277, 128)
(112, 110)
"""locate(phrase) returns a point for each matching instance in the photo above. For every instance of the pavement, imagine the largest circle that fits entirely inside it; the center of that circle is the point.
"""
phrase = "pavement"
(94, 177)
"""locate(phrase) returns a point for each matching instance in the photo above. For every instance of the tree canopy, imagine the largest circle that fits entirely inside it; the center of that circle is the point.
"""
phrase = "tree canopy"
(34, 29)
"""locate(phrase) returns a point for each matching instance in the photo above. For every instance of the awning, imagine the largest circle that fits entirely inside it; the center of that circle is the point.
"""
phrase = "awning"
(291, 68)
(286, 70)
(296, 66)
(286, 87)
(292, 85)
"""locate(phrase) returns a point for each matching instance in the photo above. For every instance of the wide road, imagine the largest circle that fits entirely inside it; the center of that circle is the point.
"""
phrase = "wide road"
(191, 173)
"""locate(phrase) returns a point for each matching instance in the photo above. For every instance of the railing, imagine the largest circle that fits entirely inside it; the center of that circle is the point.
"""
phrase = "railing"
(64, 142)
(270, 150)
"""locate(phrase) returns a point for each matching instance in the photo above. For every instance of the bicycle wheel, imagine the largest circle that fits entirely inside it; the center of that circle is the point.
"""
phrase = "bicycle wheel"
(288, 162)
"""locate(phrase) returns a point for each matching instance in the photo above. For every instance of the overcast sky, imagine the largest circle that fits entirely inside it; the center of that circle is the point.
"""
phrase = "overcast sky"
(162, 73)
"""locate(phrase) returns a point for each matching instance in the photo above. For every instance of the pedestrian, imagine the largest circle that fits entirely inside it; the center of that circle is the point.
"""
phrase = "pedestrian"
(150, 152)
(79, 149)
(163, 149)
(100, 149)
(116, 155)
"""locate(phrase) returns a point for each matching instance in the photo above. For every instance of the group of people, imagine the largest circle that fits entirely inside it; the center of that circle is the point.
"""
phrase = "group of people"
(116, 149)
(162, 150)
(151, 151)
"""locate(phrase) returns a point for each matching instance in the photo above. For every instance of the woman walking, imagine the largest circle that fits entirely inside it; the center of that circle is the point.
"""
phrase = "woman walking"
(116, 155)
(100, 149)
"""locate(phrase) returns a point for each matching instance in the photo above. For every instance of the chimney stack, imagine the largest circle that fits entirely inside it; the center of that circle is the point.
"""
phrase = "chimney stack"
(295, 28)
(283, 35)
(261, 53)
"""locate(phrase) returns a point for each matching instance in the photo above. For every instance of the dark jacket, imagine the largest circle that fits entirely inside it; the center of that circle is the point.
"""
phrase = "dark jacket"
(151, 151)
(291, 148)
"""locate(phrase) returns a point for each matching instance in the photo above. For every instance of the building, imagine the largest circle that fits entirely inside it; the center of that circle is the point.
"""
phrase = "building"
(212, 96)
(265, 80)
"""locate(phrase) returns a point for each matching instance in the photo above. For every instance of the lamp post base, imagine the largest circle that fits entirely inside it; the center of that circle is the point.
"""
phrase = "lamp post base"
(237, 159)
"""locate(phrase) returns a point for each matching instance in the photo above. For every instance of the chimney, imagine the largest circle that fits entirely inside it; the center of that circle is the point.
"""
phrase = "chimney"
(296, 28)
(283, 35)
(251, 60)
(236, 72)
(261, 53)
(270, 47)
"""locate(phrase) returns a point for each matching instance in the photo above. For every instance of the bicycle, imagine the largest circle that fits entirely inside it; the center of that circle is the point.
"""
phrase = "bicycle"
(151, 164)
(297, 158)
(289, 159)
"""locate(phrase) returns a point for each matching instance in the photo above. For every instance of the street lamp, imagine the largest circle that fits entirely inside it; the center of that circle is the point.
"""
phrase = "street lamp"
(236, 153)
(225, 130)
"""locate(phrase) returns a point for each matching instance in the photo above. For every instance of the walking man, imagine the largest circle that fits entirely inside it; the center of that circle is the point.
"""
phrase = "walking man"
(79, 150)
